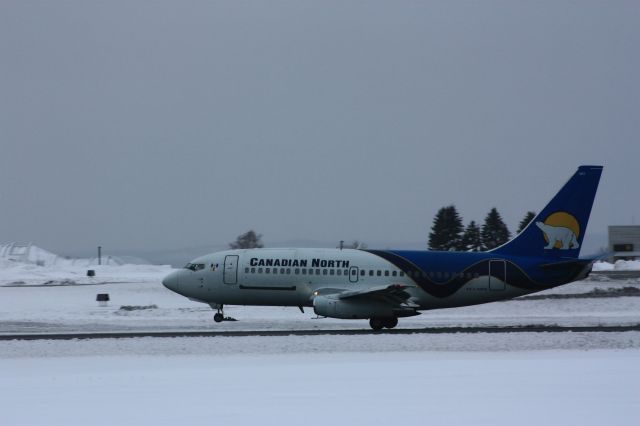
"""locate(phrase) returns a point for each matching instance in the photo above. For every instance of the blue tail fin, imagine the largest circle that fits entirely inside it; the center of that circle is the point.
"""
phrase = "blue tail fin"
(558, 230)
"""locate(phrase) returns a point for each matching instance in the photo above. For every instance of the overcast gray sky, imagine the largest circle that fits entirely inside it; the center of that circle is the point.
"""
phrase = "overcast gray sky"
(156, 124)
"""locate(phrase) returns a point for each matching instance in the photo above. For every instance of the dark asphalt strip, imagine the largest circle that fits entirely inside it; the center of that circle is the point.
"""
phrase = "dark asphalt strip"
(429, 330)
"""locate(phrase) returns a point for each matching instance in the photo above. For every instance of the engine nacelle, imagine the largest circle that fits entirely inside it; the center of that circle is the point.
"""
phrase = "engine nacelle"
(345, 309)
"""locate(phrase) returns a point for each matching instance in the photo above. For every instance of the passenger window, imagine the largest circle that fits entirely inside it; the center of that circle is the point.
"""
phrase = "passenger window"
(267, 270)
(332, 271)
(339, 272)
(370, 272)
(297, 271)
(394, 273)
(324, 272)
(246, 270)
(310, 271)
(253, 270)
(362, 271)
(304, 271)
(259, 270)
(288, 271)
(401, 273)
(282, 270)
(386, 273)
(317, 271)
(346, 272)
(379, 273)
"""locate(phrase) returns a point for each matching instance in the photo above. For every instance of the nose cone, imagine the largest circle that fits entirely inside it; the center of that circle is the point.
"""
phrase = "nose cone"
(171, 281)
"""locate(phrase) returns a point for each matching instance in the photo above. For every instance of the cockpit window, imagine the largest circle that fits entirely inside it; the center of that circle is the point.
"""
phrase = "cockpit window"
(194, 266)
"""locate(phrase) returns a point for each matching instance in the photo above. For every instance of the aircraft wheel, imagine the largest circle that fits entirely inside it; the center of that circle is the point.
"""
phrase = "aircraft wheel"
(376, 323)
(391, 322)
(218, 317)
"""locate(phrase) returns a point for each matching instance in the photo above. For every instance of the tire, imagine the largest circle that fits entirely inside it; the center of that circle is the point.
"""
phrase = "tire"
(391, 322)
(218, 317)
(376, 324)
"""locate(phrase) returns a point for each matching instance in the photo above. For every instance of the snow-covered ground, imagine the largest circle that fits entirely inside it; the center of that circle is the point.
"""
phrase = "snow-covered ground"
(140, 302)
(511, 378)
(74, 308)
(437, 388)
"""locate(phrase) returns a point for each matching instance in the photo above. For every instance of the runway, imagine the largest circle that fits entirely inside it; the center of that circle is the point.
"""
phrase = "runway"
(336, 332)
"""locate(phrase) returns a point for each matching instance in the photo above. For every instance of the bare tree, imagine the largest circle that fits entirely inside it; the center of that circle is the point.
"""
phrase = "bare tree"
(247, 240)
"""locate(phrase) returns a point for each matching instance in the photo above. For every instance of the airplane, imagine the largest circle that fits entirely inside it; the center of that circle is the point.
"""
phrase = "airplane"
(384, 285)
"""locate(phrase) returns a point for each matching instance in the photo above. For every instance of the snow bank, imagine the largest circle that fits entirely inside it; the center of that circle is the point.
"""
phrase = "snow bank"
(27, 264)
(620, 265)
(18, 253)
(29, 274)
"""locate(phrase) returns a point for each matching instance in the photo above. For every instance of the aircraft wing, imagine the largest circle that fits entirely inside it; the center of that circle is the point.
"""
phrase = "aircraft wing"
(394, 294)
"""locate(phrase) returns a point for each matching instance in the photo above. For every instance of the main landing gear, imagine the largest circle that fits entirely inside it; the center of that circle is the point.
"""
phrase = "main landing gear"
(380, 323)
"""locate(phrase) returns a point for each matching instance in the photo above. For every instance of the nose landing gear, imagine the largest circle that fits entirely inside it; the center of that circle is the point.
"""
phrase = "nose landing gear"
(219, 316)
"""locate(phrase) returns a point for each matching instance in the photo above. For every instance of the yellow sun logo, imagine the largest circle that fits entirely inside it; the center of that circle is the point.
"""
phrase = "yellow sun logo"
(561, 230)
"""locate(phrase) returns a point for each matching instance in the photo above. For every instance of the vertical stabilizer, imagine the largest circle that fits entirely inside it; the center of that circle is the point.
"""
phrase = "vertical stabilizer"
(558, 230)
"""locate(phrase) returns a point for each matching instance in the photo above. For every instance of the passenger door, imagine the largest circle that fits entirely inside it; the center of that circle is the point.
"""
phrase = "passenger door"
(230, 273)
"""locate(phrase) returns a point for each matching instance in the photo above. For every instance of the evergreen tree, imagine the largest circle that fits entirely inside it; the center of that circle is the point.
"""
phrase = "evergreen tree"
(247, 240)
(525, 221)
(494, 231)
(446, 231)
(471, 240)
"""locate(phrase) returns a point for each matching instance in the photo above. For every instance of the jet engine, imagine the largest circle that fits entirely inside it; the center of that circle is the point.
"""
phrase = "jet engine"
(327, 306)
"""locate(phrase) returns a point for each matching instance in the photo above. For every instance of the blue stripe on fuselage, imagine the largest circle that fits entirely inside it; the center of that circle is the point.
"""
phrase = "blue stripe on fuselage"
(441, 274)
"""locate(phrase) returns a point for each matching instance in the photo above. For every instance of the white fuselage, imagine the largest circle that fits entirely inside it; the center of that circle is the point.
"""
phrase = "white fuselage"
(293, 277)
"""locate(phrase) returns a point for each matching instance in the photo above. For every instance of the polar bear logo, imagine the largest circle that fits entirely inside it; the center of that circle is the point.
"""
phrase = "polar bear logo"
(559, 237)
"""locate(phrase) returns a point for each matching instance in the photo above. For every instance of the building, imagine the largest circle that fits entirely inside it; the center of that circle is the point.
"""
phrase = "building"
(624, 242)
